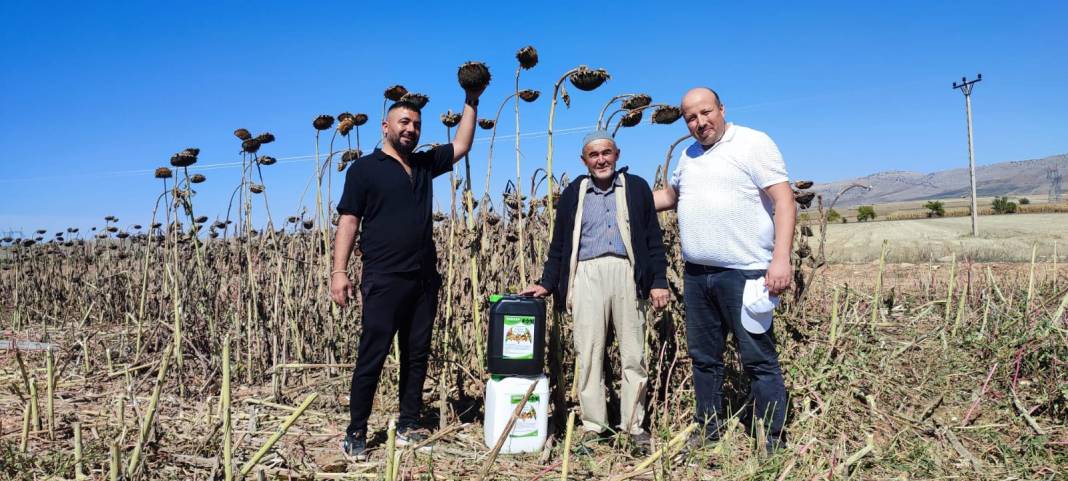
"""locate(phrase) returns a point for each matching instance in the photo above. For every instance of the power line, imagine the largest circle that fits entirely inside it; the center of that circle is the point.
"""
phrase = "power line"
(281, 160)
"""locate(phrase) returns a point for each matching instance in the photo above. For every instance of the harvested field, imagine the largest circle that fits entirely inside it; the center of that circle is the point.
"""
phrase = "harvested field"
(1002, 238)
(920, 371)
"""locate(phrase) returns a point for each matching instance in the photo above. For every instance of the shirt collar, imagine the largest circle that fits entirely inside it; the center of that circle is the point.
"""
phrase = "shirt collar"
(616, 182)
(728, 135)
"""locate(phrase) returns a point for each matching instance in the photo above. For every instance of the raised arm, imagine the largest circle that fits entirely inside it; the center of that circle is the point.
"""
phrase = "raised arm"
(465, 131)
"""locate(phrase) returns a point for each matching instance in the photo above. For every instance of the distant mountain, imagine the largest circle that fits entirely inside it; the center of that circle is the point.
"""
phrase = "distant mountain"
(1016, 178)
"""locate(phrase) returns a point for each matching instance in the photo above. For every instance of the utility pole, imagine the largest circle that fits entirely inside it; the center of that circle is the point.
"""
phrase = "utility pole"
(1053, 175)
(966, 86)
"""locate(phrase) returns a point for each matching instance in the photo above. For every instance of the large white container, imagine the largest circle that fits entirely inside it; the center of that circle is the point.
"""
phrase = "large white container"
(531, 426)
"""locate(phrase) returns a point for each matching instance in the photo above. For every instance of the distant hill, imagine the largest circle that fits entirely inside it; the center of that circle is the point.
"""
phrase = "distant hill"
(1016, 177)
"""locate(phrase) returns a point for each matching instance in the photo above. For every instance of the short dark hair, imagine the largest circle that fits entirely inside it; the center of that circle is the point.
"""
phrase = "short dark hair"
(404, 104)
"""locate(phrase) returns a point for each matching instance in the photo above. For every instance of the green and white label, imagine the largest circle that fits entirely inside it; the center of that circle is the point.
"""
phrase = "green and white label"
(518, 337)
(526, 423)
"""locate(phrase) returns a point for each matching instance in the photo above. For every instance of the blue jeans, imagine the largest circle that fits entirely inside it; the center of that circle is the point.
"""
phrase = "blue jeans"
(713, 297)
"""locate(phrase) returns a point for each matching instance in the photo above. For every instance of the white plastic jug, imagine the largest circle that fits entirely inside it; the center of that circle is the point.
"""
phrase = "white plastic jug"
(531, 426)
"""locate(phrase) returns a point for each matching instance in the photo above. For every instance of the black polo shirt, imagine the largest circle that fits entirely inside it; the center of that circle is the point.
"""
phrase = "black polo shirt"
(395, 209)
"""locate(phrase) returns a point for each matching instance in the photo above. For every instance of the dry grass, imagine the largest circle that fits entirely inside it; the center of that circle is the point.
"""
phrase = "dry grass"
(960, 374)
(1002, 238)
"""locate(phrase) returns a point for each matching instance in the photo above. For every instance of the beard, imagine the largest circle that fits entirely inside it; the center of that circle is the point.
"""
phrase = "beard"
(395, 141)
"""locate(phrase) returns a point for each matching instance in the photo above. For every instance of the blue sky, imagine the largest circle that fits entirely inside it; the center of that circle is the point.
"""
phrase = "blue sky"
(95, 95)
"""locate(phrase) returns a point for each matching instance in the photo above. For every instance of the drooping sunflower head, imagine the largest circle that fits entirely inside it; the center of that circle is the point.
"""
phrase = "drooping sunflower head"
(666, 114)
(529, 95)
(637, 101)
(631, 118)
(585, 78)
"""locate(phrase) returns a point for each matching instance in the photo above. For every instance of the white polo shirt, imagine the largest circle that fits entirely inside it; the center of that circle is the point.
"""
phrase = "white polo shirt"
(725, 217)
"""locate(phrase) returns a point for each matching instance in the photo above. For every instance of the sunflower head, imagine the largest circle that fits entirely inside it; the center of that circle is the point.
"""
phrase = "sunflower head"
(486, 124)
(584, 78)
(529, 95)
(632, 118)
(242, 134)
(527, 57)
(345, 126)
(350, 155)
(395, 92)
(417, 99)
(473, 76)
(250, 146)
(163, 173)
(323, 122)
(666, 114)
(183, 159)
(637, 101)
(450, 119)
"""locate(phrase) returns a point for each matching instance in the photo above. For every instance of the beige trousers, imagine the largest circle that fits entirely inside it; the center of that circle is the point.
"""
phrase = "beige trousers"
(604, 292)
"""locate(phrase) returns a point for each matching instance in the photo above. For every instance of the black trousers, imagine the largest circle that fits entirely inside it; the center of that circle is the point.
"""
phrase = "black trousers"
(393, 303)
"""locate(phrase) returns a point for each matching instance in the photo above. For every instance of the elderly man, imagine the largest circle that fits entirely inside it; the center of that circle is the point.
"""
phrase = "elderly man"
(390, 193)
(605, 259)
(736, 221)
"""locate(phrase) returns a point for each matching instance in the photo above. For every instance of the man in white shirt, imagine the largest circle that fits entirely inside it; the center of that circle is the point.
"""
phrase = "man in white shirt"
(736, 216)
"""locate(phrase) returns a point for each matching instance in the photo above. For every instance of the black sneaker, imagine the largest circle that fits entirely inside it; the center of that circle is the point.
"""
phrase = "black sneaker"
(407, 435)
(355, 446)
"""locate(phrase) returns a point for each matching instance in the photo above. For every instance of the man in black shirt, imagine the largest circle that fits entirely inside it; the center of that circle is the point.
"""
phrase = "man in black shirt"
(390, 193)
